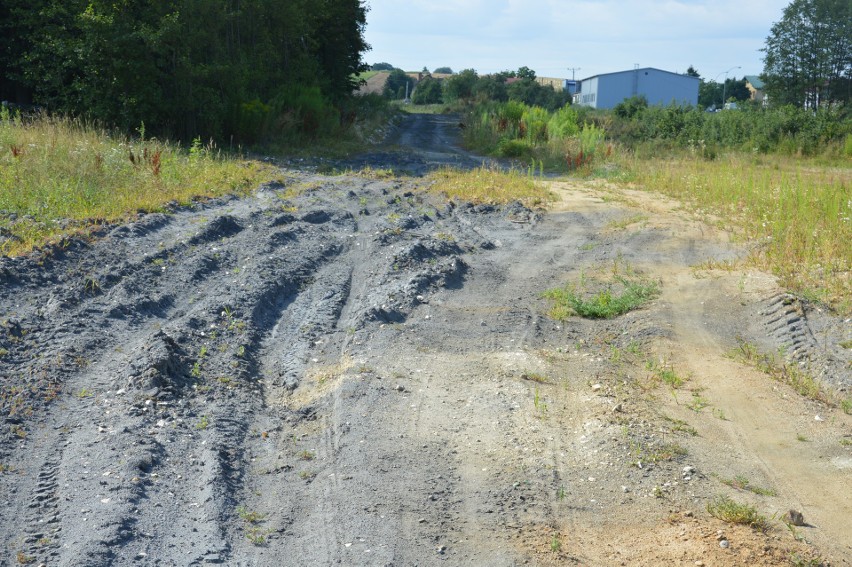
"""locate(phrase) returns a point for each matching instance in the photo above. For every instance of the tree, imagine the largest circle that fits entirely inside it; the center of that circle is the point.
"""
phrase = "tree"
(395, 85)
(691, 72)
(428, 91)
(444, 70)
(460, 86)
(808, 54)
(381, 67)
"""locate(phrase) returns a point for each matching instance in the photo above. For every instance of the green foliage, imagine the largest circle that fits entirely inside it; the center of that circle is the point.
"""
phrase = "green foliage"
(808, 54)
(395, 85)
(381, 67)
(563, 124)
(428, 91)
(733, 512)
(185, 68)
(460, 86)
(443, 71)
(604, 304)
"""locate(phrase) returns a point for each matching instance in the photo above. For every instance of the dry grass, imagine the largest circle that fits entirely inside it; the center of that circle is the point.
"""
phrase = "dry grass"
(60, 176)
(797, 212)
(486, 185)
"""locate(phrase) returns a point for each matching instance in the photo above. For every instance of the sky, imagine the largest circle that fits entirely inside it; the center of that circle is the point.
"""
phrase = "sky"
(553, 36)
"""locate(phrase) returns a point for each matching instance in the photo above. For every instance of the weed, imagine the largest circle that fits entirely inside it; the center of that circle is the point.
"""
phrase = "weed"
(84, 393)
(720, 414)
(555, 544)
(24, 559)
(797, 560)
(306, 455)
(778, 369)
(846, 442)
(91, 285)
(560, 493)
(241, 351)
(624, 223)
(698, 403)
(203, 351)
(680, 425)
(535, 377)
(846, 405)
(250, 516)
(742, 483)
(664, 372)
(257, 535)
(801, 438)
(728, 510)
(203, 422)
(605, 304)
(196, 370)
(18, 431)
(307, 475)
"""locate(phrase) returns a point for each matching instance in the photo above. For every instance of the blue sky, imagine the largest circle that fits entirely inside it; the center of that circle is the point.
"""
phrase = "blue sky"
(551, 36)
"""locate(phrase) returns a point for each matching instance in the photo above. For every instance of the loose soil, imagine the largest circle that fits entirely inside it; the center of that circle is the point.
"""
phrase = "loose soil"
(346, 369)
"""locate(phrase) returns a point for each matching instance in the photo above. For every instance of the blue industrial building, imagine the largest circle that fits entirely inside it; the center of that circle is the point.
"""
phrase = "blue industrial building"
(657, 86)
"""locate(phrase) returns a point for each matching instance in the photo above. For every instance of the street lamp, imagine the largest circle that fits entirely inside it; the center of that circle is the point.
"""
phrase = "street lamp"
(725, 84)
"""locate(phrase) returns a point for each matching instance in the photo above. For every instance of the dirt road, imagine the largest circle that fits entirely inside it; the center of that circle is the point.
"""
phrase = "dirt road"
(363, 374)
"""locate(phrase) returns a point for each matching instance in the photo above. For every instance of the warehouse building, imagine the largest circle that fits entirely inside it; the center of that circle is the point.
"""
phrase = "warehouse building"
(657, 86)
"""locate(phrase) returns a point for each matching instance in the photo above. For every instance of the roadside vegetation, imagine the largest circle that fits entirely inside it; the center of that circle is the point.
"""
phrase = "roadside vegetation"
(490, 185)
(60, 176)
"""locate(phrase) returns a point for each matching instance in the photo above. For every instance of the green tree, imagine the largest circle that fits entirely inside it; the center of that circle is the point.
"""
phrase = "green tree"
(395, 85)
(808, 54)
(381, 67)
(444, 70)
(428, 91)
(460, 86)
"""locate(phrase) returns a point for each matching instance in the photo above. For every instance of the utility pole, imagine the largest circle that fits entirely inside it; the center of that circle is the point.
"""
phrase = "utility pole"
(725, 84)
(572, 69)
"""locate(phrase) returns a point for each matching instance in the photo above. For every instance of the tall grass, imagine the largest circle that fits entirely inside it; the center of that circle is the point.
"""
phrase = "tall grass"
(59, 175)
(796, 211)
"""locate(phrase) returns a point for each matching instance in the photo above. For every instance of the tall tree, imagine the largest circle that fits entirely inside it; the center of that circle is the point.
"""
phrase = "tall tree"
(808, 54)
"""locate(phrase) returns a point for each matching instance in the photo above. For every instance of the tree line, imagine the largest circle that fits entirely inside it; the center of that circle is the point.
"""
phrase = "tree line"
(185, 68)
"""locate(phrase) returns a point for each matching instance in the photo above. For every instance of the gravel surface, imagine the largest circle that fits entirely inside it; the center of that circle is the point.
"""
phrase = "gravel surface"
(363, 374)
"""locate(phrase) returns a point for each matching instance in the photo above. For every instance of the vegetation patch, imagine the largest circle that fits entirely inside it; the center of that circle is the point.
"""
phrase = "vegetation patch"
(797, 212)
(781, 370)
(742, 483)
(488, 185)
(616, 298)
(728, 510)
(67, 176)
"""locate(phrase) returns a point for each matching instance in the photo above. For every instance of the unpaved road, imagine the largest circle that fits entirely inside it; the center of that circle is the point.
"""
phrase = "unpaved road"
(363, 374)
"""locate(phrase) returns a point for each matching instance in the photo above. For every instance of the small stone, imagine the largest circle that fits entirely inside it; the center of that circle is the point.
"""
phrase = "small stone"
(596, 387)
(625, 489)
(442, 549)
(724, 544)
(699, 564)
(400, 388)
(618, 408)
(688, 513)
(794, 517)
(421, 521)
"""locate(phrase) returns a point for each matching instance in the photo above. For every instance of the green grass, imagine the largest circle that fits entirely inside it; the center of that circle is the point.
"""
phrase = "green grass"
(616, 299)
(728, 510)
(486, 185)
(61, 177)
(797, 211)
(779, 369)
(742, 483)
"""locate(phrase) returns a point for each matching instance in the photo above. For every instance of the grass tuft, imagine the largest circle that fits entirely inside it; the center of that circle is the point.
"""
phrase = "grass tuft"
(626, 295)
(728, 510)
